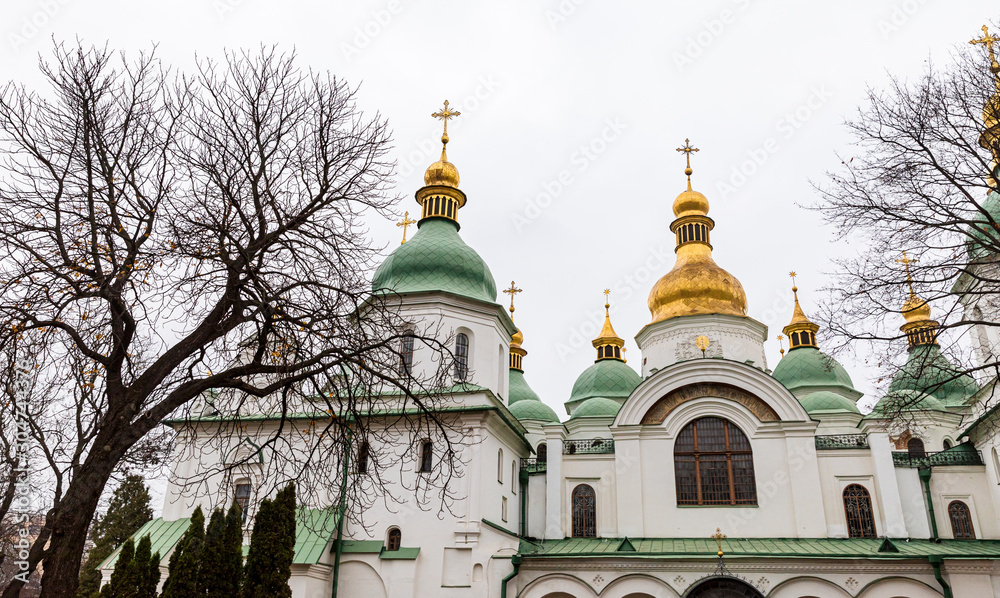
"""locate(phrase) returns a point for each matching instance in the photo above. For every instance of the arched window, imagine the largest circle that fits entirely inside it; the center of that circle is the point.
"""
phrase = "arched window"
(394, 539)
(426, 456)
(406, 354)
(543, 452)
(961, 521)
(363, 453)
(946, 444)
(500, 465)
(461, 356)
(915, 448)
(242, 492)
(858, 506)
(713, 464)
(513, 477)
(584, 512)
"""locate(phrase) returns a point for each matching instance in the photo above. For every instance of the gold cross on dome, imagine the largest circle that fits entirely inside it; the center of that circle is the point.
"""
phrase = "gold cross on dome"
(792, 274)
(781, 346)
(718, 536)
(987, 40)
(405, 223)
(906, 261)
(687, 149)
(513, 290)
(445, 115)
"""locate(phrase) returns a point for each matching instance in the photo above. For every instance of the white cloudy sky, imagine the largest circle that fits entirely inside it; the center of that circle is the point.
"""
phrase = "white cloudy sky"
(539, 81)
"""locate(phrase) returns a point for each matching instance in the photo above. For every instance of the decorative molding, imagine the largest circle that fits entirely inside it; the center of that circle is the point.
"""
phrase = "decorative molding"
(662, 408)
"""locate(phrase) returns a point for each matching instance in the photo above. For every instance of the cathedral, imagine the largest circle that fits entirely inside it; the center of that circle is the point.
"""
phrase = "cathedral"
(700, 472)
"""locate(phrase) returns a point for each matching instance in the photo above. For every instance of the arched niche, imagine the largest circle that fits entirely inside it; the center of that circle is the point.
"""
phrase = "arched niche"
(677, 397)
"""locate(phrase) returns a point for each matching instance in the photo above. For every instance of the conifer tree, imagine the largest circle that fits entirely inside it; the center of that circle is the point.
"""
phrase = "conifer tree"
(136, 572)
(222, 564)
(128, 511)
(185, 562)
(122, 573)
(272, 546)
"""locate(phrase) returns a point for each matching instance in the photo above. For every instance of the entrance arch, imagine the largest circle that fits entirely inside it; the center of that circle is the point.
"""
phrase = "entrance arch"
(723, 587)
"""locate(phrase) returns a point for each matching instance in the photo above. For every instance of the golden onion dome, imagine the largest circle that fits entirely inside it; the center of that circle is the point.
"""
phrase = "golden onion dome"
(916, 309)
(696, 284)
(442, 173)
(517, 339)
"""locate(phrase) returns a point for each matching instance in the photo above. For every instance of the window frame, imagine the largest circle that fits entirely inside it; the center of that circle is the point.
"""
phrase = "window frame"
(500, 466)
(364, 456)
(862, 500)
(693, 469)
(583, 515)
(393, 536)
(426, 464)
(406, 354)
(960, 505)
(244, 502)
(462, 356)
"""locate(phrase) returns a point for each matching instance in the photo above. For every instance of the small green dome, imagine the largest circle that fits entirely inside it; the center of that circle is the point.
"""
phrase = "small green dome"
(807, 367)
(927, 370)
(825, 401)
(597, 407)
(984, 239)
(907, 400)
(436, 259)
(607, 378)
(533, 411)
(519, 389)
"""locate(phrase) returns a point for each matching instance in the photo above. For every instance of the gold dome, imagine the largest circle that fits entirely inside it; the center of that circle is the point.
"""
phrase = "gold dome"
(916, 309)
(441, 173)
(517, 339)
(690, 203)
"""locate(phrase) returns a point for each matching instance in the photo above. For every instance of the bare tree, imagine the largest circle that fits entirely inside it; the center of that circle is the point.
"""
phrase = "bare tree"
(922, 179)
(174, 237)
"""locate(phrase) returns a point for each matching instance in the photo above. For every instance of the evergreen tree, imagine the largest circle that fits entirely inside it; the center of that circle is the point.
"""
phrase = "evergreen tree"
(120, 577)
(129, 510)
(272, 546)
(136, 572)
(222, 565)
(185, 562)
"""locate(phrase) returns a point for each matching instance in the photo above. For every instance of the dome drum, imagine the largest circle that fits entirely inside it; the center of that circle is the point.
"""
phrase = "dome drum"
(692, 229)
(440, 201)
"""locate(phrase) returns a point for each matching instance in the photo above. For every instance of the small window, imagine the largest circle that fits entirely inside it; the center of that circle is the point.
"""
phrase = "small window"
(513, 477)
(500, 466)
(858, 507)
(394, 540)
(503, 509)
(543, 452)
(426, 456)
(363, 450)
(947, 444)
(915, 448)
(584, 512)
(461, 356)
(406, 355)
(961, 521)
(242, 496)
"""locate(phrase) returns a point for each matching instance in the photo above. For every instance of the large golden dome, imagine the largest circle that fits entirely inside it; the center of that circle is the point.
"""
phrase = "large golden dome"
(696, 284)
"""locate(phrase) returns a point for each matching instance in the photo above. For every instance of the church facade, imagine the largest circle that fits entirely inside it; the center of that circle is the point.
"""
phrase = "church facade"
(701, 473)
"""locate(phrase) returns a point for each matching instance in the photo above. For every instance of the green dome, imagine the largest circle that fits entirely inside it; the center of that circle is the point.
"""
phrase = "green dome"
(807, 367)
(597, 407)
(825, 401)
(984, 241)
(519, 389)
(607, 378)
(436, 259)
(907, 400)
(534, 411)
(927, 370)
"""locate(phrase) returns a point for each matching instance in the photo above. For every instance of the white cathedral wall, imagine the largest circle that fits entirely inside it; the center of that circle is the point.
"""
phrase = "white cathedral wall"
(597, 471)
(969, 485)
(730, 337)
(837, 469)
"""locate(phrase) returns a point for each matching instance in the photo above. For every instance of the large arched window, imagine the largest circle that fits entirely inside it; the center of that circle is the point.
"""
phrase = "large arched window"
(915, 448)
(461, 356)
(858, 507)
(961, 521)
(713, 464)
(584, 512)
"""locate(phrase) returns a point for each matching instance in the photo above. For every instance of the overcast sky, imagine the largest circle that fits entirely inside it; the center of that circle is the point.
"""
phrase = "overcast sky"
(572, 110)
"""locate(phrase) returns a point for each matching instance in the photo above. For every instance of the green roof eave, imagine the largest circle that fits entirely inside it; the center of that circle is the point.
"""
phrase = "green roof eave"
(500, 528)
(163, 536)
(361, 547)
(828, 548)
(401, 554)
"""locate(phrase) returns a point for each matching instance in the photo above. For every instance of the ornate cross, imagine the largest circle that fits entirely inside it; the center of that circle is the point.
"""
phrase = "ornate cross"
(906, 261)
(792, 274)
(988, 40)
(405, 223)
(702, 343)
(718, 536)
(513, 290)
(781, 346)
(687, 149)
(445, 115)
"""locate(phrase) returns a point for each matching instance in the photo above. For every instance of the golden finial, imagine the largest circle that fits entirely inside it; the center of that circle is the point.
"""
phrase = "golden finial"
(624, 351)
(687, 149)
(718, 536)
(607, 302)
(988, 40)
(906, 261)
(513, 290)
(702, 343)
(445, 115)
(405, 223)
(781, 345)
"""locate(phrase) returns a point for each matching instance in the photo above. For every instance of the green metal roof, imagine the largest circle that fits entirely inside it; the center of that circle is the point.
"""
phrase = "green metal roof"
(905, 400)
(607, 378)
(807, 367)
(163, 536)
(984, 235)
(853, 548)
(927, 370)
(534, 411)
(519, 389)
(597, 407)
(436, 259)
(824, 401)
